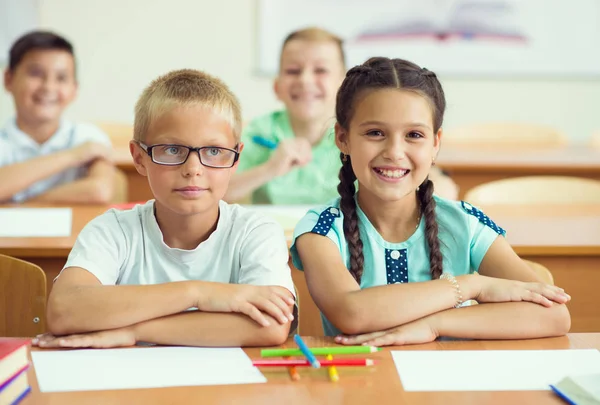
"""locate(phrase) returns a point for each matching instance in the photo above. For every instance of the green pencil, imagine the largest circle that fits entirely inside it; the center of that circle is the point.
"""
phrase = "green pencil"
(320, 351)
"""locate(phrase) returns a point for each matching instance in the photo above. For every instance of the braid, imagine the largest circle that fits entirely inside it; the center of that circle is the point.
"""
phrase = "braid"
(348, 206)
(425, 195)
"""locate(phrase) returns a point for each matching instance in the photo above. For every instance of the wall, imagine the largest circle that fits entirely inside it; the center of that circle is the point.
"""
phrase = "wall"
(123, 44)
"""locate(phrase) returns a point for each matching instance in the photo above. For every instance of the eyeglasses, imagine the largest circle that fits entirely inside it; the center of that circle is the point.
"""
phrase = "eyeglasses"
(174, 155)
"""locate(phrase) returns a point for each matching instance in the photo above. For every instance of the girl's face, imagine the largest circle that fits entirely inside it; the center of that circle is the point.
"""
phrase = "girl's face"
(391, 142)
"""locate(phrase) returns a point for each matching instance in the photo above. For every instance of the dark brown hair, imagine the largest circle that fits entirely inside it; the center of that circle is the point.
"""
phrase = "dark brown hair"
(384, 73)
(36, 40)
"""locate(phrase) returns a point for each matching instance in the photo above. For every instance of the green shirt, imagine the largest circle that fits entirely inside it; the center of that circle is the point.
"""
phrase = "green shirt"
(314, 183)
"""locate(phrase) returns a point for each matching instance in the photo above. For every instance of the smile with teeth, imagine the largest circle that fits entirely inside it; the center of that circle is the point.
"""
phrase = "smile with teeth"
(392, 174)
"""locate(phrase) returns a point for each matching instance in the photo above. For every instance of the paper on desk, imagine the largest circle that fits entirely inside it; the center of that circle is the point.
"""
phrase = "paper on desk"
(35, 222)
(112, 369)
(286, 215)
(491, 370)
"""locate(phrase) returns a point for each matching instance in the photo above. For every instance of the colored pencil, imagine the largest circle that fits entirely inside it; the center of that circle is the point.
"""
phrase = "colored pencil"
(306, 352)
(332, 371)
(293, 371)
(302, 363)
(267, 143)
(320, 351)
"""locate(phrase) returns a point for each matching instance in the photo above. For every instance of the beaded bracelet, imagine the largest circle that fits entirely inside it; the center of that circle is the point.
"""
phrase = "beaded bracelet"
(452, 280)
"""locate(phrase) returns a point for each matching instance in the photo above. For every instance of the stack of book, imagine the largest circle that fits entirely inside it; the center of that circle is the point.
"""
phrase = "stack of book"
(14, 385)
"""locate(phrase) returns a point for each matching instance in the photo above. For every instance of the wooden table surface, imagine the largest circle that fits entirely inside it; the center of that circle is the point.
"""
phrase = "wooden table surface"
(471, 166)
(379, 384)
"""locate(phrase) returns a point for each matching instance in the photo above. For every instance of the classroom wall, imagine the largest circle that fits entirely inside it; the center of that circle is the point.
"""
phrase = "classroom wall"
(123, 44)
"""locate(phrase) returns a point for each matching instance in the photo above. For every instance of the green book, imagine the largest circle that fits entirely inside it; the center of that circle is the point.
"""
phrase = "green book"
(579, 390)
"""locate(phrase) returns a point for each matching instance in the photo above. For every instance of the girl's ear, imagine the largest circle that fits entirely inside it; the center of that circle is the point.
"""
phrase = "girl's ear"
(437, 143)
(341, 138)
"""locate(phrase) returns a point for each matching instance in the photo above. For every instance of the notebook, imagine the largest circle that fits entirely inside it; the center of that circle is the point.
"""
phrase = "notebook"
(580, 389)
(15, 389)
(13, 358)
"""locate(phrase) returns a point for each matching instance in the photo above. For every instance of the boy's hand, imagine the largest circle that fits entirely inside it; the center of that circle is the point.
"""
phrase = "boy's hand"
(502, 290)
(121, 337)
(251, 300)
(416, 332)
(90, 151)
(290, 153)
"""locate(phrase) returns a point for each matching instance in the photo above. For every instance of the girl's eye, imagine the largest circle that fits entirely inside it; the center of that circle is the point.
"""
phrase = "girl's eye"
(375, 133)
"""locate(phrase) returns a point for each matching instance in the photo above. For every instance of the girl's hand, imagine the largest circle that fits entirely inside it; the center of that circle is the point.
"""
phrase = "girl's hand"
(502, 290)
(416, 332)
(121, 337)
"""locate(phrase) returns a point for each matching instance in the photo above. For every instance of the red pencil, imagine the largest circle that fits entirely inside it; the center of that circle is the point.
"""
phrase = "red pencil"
(301, 363)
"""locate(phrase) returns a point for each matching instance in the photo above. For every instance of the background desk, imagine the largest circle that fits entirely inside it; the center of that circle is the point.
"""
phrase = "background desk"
(376, 385)
(137, 185)
(471, 166)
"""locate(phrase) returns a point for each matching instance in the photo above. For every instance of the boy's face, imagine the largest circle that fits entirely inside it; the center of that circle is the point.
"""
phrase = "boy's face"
(189, 188)
(43, 84)
(310, 75)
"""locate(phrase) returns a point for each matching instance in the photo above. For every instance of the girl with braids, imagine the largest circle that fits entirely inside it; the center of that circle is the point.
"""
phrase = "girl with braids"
(391, 263)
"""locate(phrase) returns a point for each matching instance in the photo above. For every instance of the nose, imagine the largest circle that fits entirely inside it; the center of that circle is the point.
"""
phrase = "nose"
(395, 148)
(307, 76)
(192, 166)
(49, 83)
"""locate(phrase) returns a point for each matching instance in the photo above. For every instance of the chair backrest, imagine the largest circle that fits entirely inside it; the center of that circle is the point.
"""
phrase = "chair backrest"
(536, 190)
(541, 271)
(505, 134)
(23, 298)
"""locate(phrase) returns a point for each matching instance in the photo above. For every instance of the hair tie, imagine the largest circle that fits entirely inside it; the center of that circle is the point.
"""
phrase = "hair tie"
(427, 73)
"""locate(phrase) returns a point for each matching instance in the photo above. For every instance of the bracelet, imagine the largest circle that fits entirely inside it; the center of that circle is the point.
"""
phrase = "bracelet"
(452, 280)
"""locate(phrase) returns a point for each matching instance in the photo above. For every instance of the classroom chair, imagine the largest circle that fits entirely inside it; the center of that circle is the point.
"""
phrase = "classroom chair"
(541, 271)
(506, 134)
(309, 316)
(23, 298)
(536, 190)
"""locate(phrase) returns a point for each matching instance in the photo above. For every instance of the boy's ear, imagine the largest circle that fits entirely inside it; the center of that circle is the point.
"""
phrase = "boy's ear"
(276, 88)
(137, 153)
(240, 149)
(7, 79)
(341, 138)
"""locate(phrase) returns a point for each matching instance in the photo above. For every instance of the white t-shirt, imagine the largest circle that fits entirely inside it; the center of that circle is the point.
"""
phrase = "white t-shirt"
(127, 247)
(16, 147)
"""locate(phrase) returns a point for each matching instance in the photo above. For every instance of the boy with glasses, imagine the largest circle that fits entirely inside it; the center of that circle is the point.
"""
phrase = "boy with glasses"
(185, 268)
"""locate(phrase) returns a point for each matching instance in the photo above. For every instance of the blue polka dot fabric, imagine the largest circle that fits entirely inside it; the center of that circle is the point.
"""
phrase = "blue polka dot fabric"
(396, 265)
(325, 221)
(484, 219)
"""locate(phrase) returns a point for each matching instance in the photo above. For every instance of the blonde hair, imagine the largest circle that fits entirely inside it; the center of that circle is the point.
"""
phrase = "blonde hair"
(186, 87)
(316, 34)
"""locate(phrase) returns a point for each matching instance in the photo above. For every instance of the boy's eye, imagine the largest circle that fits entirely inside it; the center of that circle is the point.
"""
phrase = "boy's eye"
(321, 71)
(292, 71)
(172, 150)
(214, 151)
(35, 73)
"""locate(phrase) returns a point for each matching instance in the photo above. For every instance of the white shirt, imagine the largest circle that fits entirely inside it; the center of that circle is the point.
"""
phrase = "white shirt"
(127, 247)
(16, 147)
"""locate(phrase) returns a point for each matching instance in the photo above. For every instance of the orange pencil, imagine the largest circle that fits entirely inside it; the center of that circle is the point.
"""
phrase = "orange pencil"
(294, 375)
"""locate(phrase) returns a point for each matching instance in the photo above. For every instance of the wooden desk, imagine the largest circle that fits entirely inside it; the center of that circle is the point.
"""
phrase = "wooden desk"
(50, 253)
(379, 384)
(471, 166)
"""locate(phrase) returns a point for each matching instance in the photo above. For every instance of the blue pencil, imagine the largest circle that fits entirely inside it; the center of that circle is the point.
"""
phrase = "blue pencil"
(267, 143)
(306, 351)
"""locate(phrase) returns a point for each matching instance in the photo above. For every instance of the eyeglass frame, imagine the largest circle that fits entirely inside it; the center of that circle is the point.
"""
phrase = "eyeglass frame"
(148, 150)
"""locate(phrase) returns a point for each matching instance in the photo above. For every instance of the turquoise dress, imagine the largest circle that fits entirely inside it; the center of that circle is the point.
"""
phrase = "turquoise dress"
(465, 234)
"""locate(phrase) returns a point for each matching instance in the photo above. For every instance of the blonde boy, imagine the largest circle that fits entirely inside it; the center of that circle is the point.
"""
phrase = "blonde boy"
(42, 156)
(299, 162)
(134, 275)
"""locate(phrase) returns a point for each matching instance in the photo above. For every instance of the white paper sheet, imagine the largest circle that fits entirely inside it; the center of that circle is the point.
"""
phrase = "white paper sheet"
(35, 222)
(490, 370)
(111, 369)
(286, 215)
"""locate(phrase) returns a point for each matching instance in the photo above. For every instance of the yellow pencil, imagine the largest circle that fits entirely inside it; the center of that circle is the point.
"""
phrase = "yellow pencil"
(333, 374)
